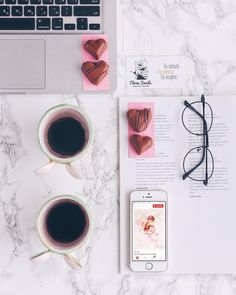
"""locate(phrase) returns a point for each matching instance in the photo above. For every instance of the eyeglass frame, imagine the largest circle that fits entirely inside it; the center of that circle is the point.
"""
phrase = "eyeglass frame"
(205, 145)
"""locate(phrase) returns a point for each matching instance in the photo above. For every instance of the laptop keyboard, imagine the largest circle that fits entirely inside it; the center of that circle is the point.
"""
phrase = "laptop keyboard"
(57, 16)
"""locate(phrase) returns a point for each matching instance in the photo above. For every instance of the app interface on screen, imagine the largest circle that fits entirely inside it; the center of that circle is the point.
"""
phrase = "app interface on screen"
(149, 230)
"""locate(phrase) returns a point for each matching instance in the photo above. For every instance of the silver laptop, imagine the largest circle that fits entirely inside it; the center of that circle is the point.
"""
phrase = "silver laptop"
(40, 43)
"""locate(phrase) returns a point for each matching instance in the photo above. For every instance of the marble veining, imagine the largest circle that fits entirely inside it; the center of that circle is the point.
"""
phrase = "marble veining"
(204, 31)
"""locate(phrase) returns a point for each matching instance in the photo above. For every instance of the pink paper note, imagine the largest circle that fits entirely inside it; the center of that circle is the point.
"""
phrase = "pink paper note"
(150, 153)
(87, 85)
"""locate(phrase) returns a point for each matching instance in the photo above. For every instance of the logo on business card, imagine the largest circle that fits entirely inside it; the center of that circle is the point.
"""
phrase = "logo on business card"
(140, 73)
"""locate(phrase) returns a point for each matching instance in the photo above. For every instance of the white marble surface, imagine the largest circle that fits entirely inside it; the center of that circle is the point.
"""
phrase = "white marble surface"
(204, 31)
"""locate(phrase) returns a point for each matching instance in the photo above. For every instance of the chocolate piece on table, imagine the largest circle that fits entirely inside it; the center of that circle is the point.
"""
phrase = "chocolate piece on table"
(95, 71)
(141, 143)
(139, 119)
(96, 47)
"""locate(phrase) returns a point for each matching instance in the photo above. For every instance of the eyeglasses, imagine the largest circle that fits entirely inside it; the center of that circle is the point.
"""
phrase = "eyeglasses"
(197, 119)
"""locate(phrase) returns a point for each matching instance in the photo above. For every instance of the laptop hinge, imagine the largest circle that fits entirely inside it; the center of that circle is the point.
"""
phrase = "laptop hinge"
(11, 92)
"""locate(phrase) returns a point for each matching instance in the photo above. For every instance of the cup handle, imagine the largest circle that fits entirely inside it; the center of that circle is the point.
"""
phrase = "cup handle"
(72, 261)
(45, 168)
(72, 171)
(69, 259)
(41, 256)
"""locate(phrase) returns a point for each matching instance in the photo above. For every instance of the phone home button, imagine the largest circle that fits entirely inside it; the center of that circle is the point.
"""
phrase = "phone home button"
(149, 266)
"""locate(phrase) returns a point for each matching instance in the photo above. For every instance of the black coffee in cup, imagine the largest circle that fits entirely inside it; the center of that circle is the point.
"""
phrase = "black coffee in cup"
(66, 222)
(66, 136)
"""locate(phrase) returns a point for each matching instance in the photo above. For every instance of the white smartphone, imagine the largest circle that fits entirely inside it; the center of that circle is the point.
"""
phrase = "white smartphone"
(148, 231)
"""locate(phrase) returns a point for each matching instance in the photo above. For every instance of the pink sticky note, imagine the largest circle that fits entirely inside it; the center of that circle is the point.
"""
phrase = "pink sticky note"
(150, 153)
(87, 85)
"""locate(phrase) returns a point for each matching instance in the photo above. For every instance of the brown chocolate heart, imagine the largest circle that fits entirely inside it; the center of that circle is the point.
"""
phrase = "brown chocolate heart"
(96, 47)
(139, 119)
(141, 143)
(95, 71)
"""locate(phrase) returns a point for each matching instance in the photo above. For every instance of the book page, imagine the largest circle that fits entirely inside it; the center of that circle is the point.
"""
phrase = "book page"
(200, 218)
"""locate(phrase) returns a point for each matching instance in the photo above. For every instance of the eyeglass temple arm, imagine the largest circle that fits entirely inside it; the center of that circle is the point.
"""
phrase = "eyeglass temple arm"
(188, 105)
(206, 140)
(185, 175)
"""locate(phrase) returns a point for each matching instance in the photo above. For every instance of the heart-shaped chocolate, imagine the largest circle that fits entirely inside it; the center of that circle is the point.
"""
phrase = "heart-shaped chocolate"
(141, 143)
(96, 47)
(95, 71)
(139, 119)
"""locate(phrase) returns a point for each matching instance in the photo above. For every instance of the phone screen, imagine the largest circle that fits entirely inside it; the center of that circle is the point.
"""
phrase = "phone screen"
(149, 230)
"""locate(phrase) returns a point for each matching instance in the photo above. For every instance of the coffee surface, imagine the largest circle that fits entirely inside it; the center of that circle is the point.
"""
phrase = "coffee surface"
(66, 136)
(66, 222)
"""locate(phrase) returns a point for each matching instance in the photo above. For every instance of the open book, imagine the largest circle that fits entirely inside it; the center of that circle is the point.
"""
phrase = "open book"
(201, 219)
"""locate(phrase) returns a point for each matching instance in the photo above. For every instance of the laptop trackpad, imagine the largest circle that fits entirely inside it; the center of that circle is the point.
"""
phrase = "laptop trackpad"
(22, 64)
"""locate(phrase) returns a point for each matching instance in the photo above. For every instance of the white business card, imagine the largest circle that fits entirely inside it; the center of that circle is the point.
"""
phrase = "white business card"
(155, 72)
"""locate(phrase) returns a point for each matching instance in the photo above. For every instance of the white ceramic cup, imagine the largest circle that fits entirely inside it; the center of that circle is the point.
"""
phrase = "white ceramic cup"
(51, 116)
(53, 246)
